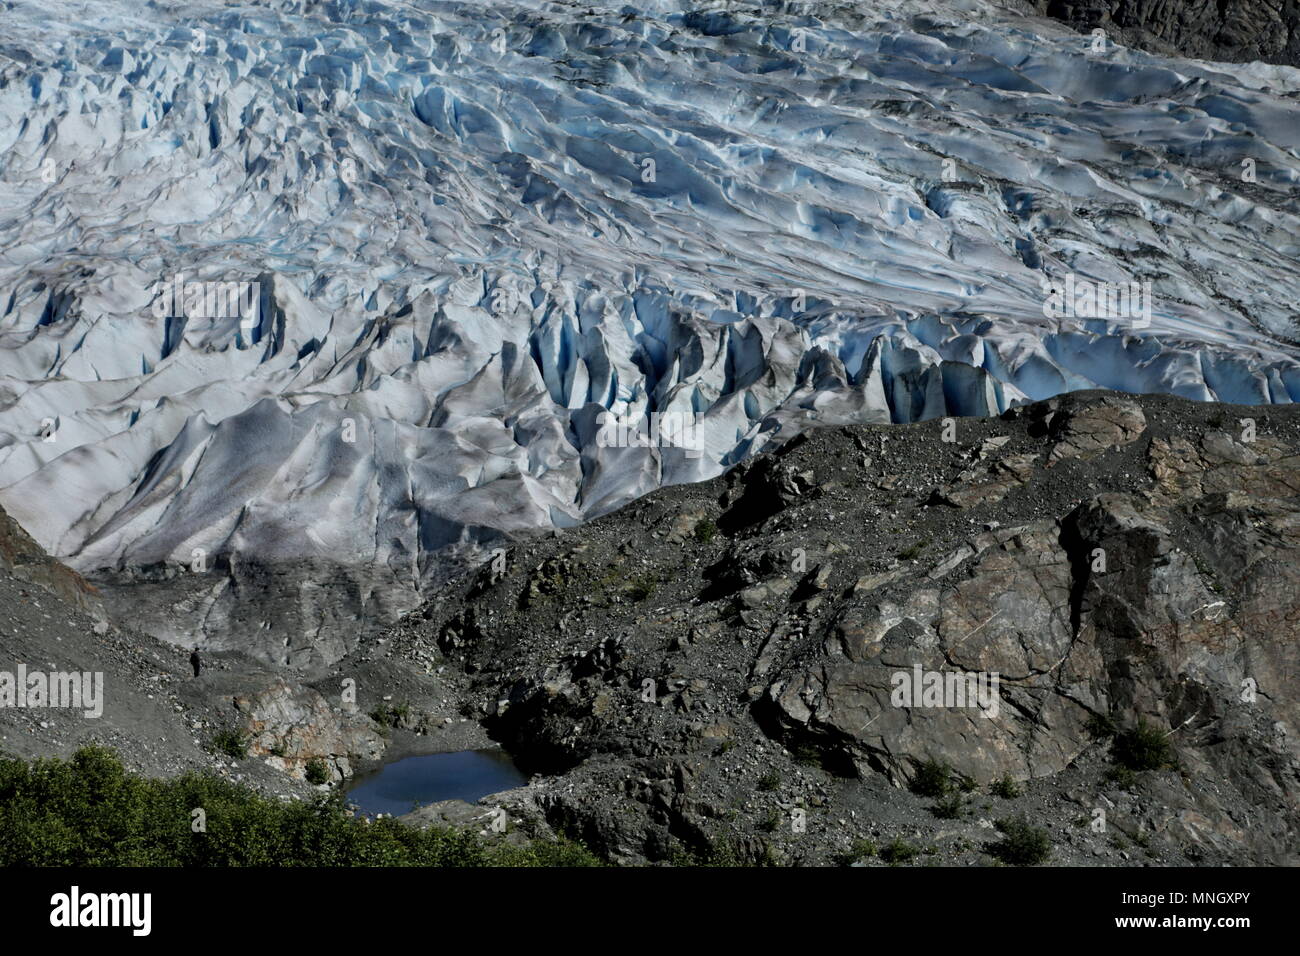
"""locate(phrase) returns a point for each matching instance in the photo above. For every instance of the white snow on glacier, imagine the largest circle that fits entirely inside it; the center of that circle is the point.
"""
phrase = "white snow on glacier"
(475, 226)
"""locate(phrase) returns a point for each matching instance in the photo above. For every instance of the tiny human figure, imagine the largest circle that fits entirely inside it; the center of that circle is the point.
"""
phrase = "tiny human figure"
(196, 662)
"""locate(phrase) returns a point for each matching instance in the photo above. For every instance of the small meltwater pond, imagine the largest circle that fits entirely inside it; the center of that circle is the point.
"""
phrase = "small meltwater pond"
(468, 775)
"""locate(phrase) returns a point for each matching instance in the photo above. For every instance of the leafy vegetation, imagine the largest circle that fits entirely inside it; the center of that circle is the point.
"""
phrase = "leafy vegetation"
(914, 550)
(1022, 844)
(641, 587)
(317, 771)
(950, 807)
(88, 811)
(1100, 727)
(1142, 748)
(898, 850)
(720, 852)
(1006, 788)
(1122, 777)
(861, 849)
(231, 742)
(933, 779)
(705, 530)
(391, 715)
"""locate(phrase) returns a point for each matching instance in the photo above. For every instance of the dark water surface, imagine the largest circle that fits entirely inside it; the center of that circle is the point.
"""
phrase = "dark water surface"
(464, 775)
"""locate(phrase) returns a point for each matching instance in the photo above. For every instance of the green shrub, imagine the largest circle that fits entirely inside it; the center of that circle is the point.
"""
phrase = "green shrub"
(1100, 726)
(1021, 843)
(391, 715)
(898, 850)
(1142, 748)
(913, 551)
(717, 852)
(87, 811)
(860, 849)
(949, 808)
(769, 781)
(806, 754)
(642, 586)
(231, 742)
(317, 771)
(1006, 788)
(705, 530)
(1122, 777)
(933, 779)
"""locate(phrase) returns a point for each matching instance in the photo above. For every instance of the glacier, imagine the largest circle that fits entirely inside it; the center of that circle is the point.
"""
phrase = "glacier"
(474, 229)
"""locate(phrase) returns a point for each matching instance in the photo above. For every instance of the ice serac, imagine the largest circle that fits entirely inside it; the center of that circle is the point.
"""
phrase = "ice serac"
(350, 286)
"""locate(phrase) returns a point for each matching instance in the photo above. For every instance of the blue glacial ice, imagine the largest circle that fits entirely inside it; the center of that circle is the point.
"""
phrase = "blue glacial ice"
(474, 227)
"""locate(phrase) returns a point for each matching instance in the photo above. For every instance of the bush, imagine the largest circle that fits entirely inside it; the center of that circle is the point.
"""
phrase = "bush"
(231, 742)
(718, 852)
(949, 808)
(914, 550)
(88, 811)
(898, 850)
(1021, 843)
(391, 715)
(1142, 748)
(705, 530)
(933, 779)
(1122, 777)
(642, 586)
(1100, 726)
(1006, 788)
(317, 771)
(769, 781)
(860, 849)
(806, 754)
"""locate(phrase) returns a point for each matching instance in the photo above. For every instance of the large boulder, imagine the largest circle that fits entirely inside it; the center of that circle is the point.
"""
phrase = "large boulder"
(292, 725)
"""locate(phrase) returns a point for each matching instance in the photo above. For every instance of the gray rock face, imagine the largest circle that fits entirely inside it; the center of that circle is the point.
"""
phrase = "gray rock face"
(1084, 431)
(146, 703)
(291, 725)
(1006, 617)
(1235, 31)
(300, 614)
(27, 561)
(807, 634)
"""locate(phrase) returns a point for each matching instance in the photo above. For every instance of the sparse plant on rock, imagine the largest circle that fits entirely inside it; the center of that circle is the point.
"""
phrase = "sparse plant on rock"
(317, 771)
(231, 742)
(1022, 844)
(898, 850)
(1006, 788)
(933, 779)
(1143, 747)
